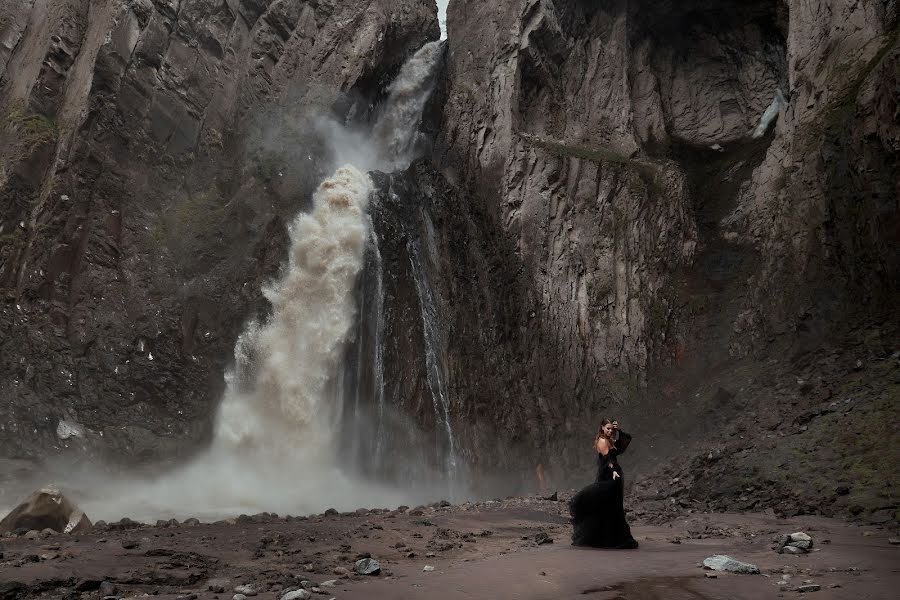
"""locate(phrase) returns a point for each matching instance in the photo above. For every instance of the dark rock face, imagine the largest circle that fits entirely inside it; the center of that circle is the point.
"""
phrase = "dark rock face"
(151, 155)
(615, 225)
(667, 211)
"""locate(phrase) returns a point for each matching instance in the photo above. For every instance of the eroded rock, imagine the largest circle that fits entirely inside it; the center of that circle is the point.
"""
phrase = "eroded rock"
(46, 509)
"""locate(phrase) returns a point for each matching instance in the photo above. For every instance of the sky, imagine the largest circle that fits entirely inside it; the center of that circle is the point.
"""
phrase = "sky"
(442, 16)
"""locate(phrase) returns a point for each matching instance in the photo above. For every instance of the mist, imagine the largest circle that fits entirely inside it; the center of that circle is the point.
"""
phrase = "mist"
(276, 443)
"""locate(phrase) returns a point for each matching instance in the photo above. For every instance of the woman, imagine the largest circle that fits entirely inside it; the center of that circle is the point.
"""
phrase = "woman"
(598, 515)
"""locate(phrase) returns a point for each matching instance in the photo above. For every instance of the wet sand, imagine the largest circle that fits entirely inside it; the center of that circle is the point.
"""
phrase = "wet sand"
(481, 551)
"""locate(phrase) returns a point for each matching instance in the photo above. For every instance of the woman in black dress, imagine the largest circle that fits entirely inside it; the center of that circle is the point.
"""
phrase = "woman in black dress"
(598, 513)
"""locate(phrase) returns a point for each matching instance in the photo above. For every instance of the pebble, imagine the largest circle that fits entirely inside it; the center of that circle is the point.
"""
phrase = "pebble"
(541, 538)
(245, 589)
(894, 541)
(711, 576)
(428, 568)
(107, 588)
(297, 595)
(812, 587)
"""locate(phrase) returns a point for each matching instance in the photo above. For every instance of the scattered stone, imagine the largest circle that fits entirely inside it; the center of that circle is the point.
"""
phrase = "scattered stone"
(711, 576)
(554, 497)
(341, 571)
(107, 588)
(430, 555)
(217, 589)
(246, 590)
(330, 511)
(675, 540)
(187, 597)
(894, 541)
(239, 597)
(191, 521)
(721, 562)
(329, 583)
(541, 538)
(428, 568)
(811, 587)
(47, 508)
(88, 585)
(795, 543)
(297, 595)
(12, 589)
(411, 555)
(367, 566)
(130, 544)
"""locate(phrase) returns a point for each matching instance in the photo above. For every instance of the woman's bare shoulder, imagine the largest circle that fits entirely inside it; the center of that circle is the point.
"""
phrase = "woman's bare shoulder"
(602, 445)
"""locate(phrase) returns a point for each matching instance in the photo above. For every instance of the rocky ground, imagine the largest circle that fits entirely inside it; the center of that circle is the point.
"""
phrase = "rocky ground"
(513, 548)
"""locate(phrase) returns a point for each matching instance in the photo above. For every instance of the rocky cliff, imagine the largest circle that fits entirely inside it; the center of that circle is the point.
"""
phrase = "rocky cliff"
(152, 153)
(682, 214)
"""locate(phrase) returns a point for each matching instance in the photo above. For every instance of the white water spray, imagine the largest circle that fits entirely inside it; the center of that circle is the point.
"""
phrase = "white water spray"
(274, 446)
(397, 129)
(298, 351)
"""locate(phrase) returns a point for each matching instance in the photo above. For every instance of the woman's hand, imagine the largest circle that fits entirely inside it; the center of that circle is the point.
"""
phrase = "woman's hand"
(615, 475)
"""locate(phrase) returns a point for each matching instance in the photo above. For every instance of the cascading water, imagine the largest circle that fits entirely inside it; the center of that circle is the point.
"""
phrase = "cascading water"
(435, 367)
(296, 353)
(276, 439)
(396, 134)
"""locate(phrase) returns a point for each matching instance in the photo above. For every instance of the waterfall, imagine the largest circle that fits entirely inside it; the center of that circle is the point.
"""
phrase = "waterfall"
(397, 130)
(275, 442)
(435, 366)
(296, 353)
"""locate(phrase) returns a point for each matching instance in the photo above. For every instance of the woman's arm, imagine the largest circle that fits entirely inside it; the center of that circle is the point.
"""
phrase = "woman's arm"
(623, 441)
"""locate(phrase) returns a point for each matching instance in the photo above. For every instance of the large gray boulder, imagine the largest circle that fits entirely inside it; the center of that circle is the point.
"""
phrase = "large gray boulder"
(47, 508)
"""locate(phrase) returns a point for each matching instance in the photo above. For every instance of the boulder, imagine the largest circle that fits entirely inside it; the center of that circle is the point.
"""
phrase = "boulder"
(795, 543)
(367, 566)
(721, 562)
(46, 509)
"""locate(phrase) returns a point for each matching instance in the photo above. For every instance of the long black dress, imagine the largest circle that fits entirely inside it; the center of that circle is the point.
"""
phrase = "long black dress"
(598, 513)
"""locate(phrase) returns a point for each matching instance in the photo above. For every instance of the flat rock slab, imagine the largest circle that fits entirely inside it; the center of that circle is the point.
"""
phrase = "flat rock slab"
(722, 562)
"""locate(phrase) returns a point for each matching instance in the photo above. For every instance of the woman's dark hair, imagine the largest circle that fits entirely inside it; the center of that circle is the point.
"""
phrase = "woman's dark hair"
(605, 421)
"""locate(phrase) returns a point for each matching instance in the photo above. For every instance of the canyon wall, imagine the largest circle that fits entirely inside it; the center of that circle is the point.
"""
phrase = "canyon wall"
(681, 214)
(152, 153)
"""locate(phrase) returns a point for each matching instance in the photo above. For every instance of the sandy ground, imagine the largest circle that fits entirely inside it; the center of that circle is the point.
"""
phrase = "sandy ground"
(483, 550)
